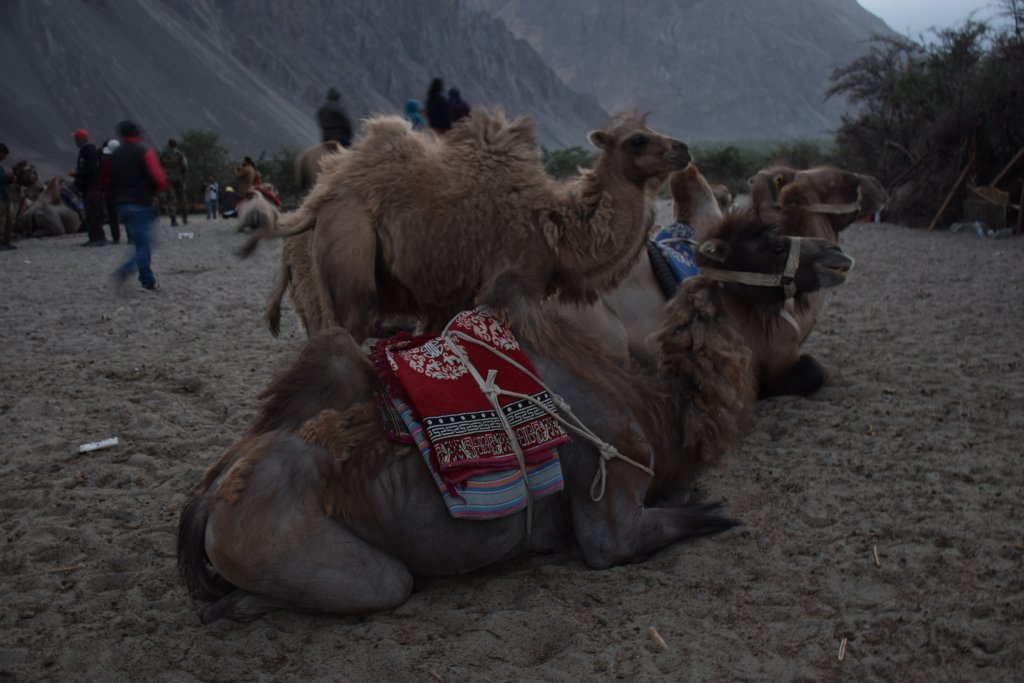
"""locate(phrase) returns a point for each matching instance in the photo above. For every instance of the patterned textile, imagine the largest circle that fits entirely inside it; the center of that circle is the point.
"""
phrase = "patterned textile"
(675, 243)
(491, 494)
(268, 192)
(465, 432)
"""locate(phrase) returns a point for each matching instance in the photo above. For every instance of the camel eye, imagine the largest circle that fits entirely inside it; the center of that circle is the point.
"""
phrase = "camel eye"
(638, 141)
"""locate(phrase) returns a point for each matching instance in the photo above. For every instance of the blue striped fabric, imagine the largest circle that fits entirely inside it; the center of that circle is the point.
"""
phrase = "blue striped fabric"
(494, 494)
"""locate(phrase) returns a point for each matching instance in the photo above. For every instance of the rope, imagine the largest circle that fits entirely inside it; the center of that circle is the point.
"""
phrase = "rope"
(785, 279)
(493, 391)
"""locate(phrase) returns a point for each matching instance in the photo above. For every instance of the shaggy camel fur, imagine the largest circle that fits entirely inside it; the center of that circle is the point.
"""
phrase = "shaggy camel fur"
(314, 509)
(256, 212)
(296, 276)
(412, 224)
(48, 215)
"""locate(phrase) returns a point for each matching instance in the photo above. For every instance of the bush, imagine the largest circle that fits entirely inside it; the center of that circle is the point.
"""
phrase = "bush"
(279, 171)
(564, 163)
(206, 158)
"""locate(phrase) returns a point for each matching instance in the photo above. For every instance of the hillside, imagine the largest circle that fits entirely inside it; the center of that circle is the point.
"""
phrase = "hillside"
(255, 71)
(705, 69)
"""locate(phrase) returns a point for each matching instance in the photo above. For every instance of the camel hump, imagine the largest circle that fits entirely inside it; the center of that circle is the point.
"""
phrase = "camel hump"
(490, 130)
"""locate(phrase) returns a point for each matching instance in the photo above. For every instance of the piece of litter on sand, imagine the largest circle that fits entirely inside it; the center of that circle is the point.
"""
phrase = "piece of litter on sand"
(657, 638)
(878, 562)
(842, 650)
(65, 569)
(96, 445)
(436, 676)
(186, 235)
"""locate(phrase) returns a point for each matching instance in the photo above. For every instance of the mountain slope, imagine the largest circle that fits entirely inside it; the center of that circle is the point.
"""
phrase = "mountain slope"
(255, 71)
(705, 69)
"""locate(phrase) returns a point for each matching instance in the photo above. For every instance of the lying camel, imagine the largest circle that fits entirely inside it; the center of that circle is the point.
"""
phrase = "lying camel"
(412, 224)
(314, 509)
(820, 202)
(48, 215)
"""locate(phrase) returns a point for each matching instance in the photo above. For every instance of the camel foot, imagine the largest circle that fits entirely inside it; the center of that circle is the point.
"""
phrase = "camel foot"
(239, 606)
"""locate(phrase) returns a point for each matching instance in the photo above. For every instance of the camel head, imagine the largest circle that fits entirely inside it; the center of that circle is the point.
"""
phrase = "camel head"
(754, 261)
(766, 185)
(693, 200)
(632, 150)
(840, 196)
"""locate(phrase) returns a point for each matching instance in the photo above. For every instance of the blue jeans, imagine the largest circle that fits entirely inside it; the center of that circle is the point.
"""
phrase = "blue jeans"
(138, 221)
(211, 209)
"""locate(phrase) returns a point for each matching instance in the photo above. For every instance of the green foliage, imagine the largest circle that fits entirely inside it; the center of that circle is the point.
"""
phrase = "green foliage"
(206, 157)
(279, 171)
(731, 164)
(563, 163)
(924, 108)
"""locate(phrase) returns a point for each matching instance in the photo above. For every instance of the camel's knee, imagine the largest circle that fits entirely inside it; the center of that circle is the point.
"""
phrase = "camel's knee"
(803, 379)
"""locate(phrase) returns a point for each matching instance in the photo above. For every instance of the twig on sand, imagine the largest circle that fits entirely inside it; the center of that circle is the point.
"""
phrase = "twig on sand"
(842, 650)
(657, 638)
(878, 562)
(436, 676)
(65, 569)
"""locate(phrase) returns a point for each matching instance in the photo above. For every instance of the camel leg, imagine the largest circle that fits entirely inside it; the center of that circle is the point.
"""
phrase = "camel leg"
(344, 258)
(278, 546)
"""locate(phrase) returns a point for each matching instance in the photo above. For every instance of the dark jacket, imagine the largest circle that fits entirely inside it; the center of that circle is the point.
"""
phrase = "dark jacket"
(135, 173)
(437, 112)
(334, 123)
(88, 168)
(458, 108)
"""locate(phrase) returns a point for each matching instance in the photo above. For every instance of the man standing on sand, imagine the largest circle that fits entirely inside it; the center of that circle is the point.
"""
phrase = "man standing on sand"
(176, 167)
(6, 222)
(136, 177)
(86, 175)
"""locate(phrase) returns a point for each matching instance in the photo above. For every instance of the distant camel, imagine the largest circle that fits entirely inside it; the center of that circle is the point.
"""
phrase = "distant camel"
(314, 509)
(48, 215)
(412, 224)
(255, 211)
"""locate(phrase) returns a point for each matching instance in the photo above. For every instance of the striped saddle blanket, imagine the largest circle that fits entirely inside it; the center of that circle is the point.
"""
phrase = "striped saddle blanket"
(431, 395)
(673, 247)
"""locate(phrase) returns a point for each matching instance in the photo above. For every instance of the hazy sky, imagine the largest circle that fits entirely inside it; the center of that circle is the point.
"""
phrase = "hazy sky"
(917, 16)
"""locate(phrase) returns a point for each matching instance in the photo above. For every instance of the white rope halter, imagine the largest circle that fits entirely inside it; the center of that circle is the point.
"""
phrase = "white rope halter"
(786, 279)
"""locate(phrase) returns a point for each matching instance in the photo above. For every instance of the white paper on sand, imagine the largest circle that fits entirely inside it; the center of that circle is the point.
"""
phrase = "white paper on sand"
(96, 445)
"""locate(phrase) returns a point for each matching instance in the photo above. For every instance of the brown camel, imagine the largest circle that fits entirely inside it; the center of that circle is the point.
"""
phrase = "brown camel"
(820, 202)
(296, 276)
(412, 224)
(632, 313)
(48, 215)
(314, 509)
(256, 212)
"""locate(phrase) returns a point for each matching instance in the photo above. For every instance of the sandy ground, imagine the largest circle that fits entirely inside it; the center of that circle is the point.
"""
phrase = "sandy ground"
(918, 454)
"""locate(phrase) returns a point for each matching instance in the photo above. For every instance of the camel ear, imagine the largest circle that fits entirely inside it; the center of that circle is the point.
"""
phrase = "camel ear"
(600, 139)
(751, 180)
(715, 250)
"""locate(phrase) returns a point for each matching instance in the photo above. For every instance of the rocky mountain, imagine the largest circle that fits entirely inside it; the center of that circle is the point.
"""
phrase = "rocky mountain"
(704, 69)
(255, 71)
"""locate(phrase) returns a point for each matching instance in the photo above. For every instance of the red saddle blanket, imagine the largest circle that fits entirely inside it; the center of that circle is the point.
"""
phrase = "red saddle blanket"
(464, 429)
(268, 192)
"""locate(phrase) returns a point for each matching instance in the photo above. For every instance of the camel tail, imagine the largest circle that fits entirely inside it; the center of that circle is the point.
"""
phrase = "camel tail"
(295, 223)
(272, 315)
(193, 565)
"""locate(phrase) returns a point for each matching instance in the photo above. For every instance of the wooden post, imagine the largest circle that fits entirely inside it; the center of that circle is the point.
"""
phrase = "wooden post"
(1006, 169)
(952, 193)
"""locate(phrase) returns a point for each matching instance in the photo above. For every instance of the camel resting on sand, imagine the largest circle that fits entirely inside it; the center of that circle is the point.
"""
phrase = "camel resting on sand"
(411, 224)
(314, 509)
(48, 215)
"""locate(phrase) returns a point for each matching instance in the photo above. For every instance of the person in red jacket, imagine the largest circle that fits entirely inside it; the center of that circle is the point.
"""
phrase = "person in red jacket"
(136, 178)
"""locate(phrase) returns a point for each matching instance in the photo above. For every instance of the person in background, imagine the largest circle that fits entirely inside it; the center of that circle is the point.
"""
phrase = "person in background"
(175, 165)
(246, 175)
(458, 108)
(334, 123)
(228, 203)
(412, 114)
(438, 116)
(86, 175)
(107, 190)
(136, 177)
(6, 223)
(210, 191)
